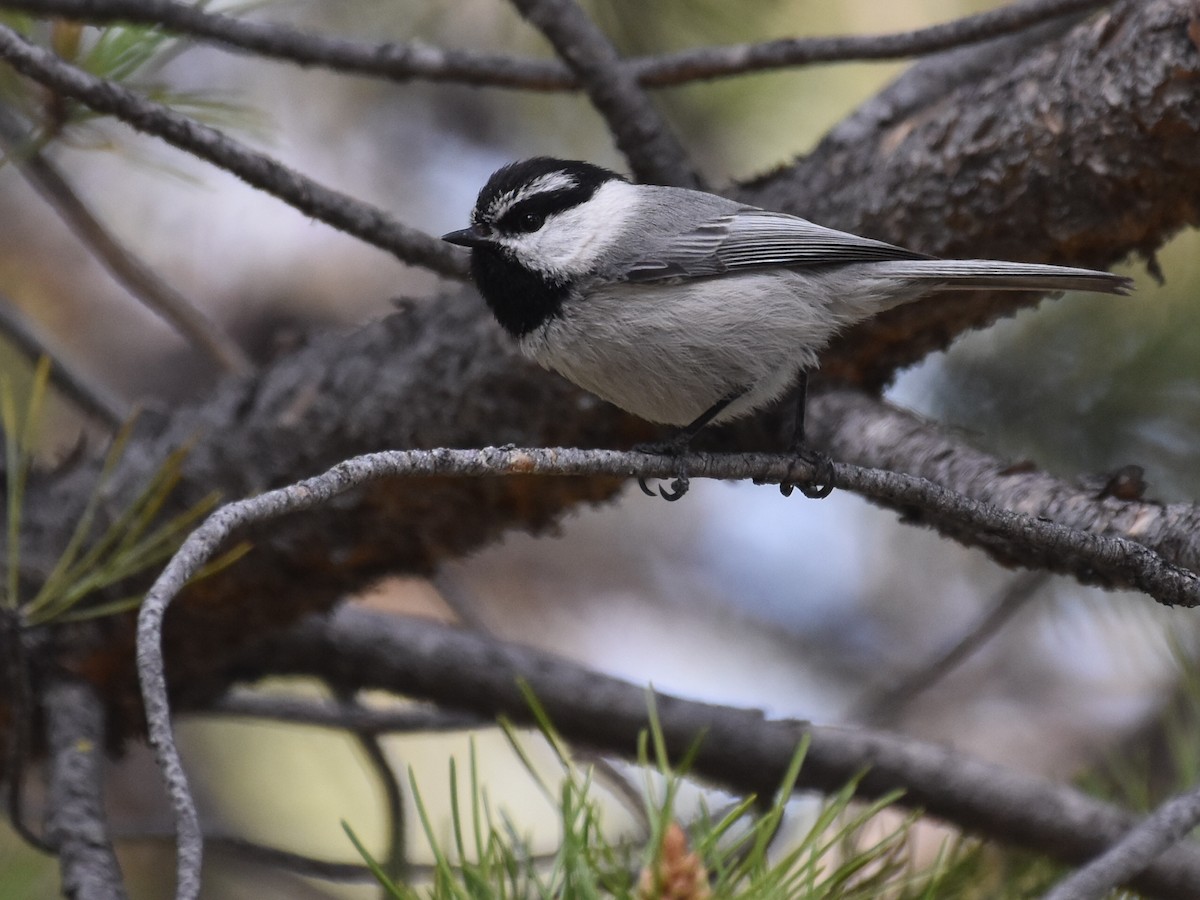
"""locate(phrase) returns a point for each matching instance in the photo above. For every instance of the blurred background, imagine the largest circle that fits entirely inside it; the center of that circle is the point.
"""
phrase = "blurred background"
(829, 611)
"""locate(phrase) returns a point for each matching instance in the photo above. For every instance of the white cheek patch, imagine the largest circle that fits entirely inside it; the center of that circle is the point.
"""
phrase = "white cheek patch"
(571, 242)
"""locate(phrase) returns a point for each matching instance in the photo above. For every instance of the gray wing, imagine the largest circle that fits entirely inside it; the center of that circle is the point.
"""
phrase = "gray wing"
(753, 238)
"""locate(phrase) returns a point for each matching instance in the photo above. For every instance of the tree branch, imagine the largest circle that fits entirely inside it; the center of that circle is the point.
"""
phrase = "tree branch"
(441, 374)
(1107, 557)
(652, 150)
(257, 169)
(142, 282)
(1133, 853)
(395, 862)
(263, 855)
(414, 60)
(359, 719)
(887, 706)
(1080, 151)
(740, 750)
(79, 388)
(902, 441)
(76, 823)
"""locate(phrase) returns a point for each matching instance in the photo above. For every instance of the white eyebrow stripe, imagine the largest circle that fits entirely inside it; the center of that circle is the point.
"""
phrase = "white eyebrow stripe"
(543, 184)
(551, 181)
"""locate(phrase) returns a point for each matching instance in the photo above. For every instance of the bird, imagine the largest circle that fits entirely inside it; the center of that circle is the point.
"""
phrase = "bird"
(687, 308)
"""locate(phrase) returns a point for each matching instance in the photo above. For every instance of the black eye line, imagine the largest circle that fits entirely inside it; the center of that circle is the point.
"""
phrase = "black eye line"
(534, 210)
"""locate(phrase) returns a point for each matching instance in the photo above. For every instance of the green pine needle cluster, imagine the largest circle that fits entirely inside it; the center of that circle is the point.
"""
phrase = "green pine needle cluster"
(98, 555)
(131, 55)
(848, 851)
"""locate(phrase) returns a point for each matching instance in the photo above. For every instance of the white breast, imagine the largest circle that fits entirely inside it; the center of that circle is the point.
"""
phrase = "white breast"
(670, 352)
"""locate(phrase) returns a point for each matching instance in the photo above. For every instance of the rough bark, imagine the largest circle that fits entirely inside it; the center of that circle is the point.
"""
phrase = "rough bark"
(1081, 151)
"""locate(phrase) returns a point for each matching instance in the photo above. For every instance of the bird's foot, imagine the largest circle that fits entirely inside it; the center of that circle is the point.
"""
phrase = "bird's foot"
(679, 484)
(820, 485)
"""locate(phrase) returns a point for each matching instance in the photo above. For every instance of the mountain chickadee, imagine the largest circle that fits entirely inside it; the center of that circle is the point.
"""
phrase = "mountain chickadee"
(686, 308)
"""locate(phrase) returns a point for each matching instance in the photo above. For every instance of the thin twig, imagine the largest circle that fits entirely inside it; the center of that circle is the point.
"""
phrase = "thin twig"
(466, 608)
(295, 863)
(1118, 557)
(16, 760)
(257, 169)
(76, 823)
(1133, 853)
(742, 59)
(740, 749)
(652, 150)
(886, 706)
(359, 719)
(80, 389)
(142, 282)
(395, 862)
(414, 60)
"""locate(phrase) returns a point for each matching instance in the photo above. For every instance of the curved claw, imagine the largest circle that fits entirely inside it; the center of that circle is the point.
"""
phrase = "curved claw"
(814, 491)
(679, 487)
(642, 485)
(821, 486)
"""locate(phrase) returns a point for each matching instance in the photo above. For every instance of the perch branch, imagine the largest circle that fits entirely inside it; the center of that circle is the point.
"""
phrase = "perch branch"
(1116, 557)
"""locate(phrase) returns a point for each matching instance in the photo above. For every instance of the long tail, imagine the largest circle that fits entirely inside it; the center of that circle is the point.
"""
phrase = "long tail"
(957, 274)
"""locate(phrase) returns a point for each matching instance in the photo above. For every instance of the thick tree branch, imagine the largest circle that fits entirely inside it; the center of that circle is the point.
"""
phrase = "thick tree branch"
(76, 823)
(901, 441)
(414, 60)
(257, 169)
(1081, 151)
(740, 750)
(653, 151)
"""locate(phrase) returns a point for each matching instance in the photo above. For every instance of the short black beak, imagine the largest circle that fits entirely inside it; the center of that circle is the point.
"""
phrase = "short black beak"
(467, 237)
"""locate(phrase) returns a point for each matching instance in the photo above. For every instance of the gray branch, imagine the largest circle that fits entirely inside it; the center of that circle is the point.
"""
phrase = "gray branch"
(441, 374)
(414, 60)
(142, 282)
(80, 388)
(741, 749)
(358, 719)
(76, 823)
(257, 169)
(653, 151)
(1114, 557)
(886, 707)
(1133, 853)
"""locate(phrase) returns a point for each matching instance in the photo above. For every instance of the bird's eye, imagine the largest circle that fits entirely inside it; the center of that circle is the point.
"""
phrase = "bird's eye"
(529, 221)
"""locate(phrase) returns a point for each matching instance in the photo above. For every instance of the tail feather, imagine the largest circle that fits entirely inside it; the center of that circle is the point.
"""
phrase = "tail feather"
(956, 274)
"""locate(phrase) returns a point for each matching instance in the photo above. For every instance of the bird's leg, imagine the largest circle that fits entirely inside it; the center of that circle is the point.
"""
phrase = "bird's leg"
(821, 485)
(677, 444)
